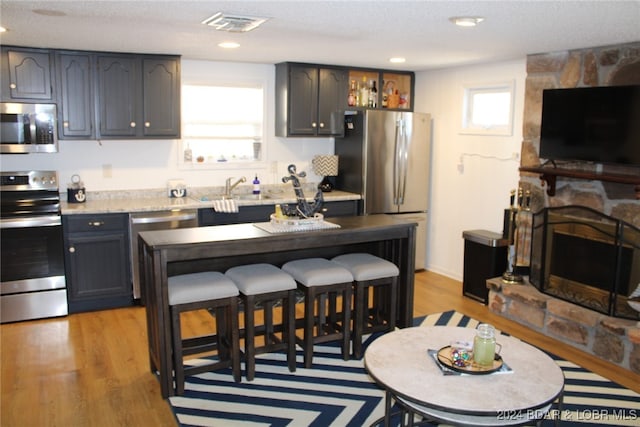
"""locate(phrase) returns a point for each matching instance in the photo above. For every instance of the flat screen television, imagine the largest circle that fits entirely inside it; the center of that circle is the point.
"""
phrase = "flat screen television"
(595, 124)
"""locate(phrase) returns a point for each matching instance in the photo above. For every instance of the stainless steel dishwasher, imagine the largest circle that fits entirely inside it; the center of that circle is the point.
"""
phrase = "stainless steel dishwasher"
(150, 221)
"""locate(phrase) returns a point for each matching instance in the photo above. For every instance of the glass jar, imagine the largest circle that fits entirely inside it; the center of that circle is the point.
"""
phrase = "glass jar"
(484, 345)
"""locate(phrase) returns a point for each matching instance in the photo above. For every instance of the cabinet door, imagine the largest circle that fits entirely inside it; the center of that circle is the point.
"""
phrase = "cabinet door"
(75, 95)
(97, 271)
(161, 97)
(119, 94)
(331, 100)
(29, 74)
(303, 101)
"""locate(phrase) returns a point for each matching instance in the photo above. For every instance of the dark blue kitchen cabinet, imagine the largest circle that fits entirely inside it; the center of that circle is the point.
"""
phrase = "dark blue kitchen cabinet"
(138, 96)
(27, 75)
(97, 261)
(75, 77)
(262, 213)
(310, 100)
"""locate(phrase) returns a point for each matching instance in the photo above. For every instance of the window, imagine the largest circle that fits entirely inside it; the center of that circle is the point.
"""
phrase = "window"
(488, 110)
(222, 124)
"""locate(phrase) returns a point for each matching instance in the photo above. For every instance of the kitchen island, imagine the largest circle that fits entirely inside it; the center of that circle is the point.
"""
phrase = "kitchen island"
(166, 253)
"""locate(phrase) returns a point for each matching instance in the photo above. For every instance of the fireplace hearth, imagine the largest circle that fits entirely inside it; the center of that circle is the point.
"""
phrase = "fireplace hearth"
(585, 257)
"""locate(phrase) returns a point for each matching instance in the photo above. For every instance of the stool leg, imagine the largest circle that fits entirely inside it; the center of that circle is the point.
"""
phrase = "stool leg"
(346, 321)
(178, 367)
(309, 305)
(250, 336)
(361, 293)
(393, 304)
(268, 322)
(289, 313)
(235, 341)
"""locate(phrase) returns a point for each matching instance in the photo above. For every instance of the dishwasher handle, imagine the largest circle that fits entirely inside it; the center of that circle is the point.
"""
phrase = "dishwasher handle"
(167, 218)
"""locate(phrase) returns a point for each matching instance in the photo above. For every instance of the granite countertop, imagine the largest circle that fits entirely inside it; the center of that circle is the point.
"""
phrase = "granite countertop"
(197, 198)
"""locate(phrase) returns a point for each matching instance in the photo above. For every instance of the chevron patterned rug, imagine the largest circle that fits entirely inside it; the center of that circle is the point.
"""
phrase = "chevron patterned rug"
(338, 393)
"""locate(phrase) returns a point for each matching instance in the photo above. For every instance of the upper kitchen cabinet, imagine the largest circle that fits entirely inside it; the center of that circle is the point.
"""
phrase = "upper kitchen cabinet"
(138, 96)
(74, 74)
(29, 75)
(310, 100)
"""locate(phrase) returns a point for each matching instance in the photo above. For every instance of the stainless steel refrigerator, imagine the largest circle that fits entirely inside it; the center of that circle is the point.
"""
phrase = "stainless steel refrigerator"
(385, 156)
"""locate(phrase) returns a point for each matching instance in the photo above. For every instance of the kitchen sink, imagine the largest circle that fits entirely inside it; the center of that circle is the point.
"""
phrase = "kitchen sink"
(212, 197)
(253, 197)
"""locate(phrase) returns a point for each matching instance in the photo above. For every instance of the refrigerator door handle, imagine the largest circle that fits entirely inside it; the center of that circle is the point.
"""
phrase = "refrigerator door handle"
(404, 162)
(397, 167)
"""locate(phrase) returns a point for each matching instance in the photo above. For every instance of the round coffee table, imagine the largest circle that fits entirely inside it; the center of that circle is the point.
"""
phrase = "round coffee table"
(400, 363)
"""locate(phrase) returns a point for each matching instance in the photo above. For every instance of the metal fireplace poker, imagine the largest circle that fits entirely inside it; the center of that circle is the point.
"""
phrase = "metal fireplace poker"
(516, 206)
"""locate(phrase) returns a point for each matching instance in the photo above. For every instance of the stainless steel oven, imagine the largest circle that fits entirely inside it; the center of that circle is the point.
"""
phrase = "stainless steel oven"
(33, 284)
(28, 128)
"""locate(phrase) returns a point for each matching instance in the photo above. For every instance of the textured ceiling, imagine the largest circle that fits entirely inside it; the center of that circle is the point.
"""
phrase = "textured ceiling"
(357, 33)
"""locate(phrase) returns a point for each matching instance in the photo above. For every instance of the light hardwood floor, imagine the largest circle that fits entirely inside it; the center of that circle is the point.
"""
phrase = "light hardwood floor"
(92, 369)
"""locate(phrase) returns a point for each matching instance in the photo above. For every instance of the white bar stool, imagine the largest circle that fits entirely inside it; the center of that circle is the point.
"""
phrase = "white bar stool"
(319, 277)
(204, 290)
(266, 284)
(370, 271)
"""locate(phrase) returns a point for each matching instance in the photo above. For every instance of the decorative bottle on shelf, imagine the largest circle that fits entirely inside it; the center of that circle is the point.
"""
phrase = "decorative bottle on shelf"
(256, 185)
(384, 96)
(364, 92)
(373, 95)
(352, 98)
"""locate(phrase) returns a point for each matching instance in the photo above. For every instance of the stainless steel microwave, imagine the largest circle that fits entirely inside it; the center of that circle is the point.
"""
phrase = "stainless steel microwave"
(28, 128)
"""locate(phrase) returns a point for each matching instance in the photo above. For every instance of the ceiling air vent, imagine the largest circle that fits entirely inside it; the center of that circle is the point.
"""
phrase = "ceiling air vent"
(234, 23)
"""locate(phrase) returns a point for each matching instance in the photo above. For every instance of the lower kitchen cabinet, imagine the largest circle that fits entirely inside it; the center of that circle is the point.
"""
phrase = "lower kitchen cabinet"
(261, 213)
(97, 261)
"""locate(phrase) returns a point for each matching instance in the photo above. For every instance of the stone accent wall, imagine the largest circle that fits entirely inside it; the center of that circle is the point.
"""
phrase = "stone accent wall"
(601, 66)
(615, 340)
(611, 339)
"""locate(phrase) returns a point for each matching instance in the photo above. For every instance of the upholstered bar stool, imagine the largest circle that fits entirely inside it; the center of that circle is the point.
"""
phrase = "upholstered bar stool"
(205, 290)
(370, 271)
(317, 278)
(266, 284)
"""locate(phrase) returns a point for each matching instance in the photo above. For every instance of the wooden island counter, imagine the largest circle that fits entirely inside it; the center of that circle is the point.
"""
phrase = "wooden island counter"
(166, 253)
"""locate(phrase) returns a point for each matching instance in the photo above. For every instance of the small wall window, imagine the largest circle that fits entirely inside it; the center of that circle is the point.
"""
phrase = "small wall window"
(488, 109)
(222, 124)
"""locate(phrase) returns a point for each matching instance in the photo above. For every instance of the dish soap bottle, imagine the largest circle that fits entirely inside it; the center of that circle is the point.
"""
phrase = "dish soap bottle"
(256, 185)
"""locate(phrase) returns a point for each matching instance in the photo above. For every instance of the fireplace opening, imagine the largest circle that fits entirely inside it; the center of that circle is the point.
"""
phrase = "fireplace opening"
(587, 258)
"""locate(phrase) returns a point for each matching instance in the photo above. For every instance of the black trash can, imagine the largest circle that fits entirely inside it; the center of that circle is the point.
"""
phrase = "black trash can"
(485, 256)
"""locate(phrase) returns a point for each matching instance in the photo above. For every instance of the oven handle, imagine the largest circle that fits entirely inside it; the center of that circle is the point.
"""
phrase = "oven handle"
(37, 221)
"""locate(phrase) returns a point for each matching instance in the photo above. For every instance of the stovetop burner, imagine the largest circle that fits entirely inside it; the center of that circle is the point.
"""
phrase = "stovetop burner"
(27, 194)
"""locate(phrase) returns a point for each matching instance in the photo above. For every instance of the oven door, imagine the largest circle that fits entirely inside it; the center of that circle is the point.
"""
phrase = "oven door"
(33, 284)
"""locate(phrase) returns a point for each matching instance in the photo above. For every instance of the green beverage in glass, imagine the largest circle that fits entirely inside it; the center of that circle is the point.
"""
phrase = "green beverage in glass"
(484, 345)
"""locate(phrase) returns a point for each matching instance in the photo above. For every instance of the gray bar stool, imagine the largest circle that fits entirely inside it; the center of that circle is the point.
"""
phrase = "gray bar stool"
(266, 284)
(205, 290)
(319, 277)
(370, 271)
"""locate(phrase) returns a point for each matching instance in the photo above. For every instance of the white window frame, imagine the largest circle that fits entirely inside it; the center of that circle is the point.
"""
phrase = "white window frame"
(469, 91)
(229, 164)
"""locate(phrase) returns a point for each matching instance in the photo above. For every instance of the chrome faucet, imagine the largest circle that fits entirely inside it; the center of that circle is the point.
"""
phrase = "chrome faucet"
(228, 187)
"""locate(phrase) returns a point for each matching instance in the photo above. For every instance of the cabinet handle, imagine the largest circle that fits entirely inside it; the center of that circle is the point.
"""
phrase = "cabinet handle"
(321, 125)
(147, 124)
(132, 124)
(13, 86)
(314, 125)
(96, 223)
(72, 249)
(65, 124)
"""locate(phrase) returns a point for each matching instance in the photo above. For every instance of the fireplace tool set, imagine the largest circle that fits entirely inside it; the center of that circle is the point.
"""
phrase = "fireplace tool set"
(510, 232)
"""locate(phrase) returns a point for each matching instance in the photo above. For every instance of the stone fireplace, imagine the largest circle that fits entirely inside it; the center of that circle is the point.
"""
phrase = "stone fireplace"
(588, 328)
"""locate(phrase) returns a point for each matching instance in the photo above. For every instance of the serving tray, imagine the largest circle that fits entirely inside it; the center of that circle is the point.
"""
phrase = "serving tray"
(446, 358)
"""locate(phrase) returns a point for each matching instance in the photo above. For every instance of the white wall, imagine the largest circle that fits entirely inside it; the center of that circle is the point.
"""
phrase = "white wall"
(475, 198)
(142, 164)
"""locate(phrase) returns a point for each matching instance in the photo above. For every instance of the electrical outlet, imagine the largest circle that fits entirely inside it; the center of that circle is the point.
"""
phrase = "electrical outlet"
(515, 155)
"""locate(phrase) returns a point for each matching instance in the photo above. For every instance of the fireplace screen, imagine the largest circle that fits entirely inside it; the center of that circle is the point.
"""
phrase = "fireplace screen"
(587, 258)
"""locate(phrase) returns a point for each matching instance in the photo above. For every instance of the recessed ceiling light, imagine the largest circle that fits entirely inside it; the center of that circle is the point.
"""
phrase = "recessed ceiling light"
(466, 21)
(229, 45)
(397, 60)
(3, 30)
